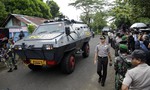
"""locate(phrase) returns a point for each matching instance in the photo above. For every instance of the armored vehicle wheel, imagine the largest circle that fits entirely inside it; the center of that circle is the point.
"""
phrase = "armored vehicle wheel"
(68, 63)
(86, 50)
(34, 67)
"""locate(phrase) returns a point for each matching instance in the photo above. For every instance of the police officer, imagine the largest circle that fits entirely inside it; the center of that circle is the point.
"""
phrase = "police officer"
(137, 78)
(102, 53)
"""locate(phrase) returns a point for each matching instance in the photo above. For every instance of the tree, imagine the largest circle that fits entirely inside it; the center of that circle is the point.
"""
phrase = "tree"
(141, 7)
(122, 13)
(99, 21)
(88, 7)
(31, 28)
(131, 11)
(53, 7)
(140, 10)
(28, 7)
(93, 13)
(3, 12)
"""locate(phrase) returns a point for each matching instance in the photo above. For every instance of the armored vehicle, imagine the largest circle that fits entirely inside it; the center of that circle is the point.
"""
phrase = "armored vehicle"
(55, 42)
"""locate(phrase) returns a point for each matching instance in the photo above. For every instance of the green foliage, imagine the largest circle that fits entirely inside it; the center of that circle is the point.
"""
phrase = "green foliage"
(54, 8)
(131, 11)
(3, 12)
(26, 7)
(99, 21)
(92, 14)
(122, 13)
(31, 28)
(88, 7)
(144, 20)
(141, 7)
(113, 25)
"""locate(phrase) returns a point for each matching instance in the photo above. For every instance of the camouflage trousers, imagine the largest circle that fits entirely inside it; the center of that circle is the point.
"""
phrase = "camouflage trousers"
(11, 63)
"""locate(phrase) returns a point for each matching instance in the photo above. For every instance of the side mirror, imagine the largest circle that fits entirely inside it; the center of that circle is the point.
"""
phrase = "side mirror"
(67, 30)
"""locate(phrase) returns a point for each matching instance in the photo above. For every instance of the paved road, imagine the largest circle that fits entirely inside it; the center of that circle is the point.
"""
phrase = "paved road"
(83, 78)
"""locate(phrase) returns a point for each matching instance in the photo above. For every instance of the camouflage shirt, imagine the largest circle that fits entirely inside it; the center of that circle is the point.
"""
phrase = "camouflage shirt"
(121, 64)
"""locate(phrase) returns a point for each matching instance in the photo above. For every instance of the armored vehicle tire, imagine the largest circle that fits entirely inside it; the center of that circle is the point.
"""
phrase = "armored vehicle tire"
(86, 50)
(68, 63)
(34, 67)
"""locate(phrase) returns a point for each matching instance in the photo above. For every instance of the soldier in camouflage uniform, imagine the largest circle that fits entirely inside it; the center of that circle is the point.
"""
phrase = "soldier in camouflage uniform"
(11, 59)
(121, 65)
(3, 53)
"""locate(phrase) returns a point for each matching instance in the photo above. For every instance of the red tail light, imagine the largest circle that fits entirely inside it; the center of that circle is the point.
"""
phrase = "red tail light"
(26, 61)
(51, 62)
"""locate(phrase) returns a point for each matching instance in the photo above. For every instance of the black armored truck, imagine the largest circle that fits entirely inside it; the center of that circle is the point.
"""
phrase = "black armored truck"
(55, 42)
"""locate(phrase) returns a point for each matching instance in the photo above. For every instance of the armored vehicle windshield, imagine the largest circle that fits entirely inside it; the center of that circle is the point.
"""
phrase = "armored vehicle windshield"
(49, 28)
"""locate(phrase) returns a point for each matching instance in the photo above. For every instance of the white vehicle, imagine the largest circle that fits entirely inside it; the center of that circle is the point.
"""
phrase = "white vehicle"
(55, 43)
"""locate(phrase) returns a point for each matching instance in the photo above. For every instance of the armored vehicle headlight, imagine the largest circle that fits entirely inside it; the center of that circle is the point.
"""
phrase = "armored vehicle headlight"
(18, 47)
(48, 46)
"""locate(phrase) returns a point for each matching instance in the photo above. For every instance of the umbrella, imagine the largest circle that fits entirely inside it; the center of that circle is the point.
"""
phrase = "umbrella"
(145, 30)
(138, 25)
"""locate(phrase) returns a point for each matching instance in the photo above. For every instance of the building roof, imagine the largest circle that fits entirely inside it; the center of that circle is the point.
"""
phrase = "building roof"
(26, 19)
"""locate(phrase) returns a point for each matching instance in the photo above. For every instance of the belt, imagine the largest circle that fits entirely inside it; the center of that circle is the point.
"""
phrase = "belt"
(102, 57)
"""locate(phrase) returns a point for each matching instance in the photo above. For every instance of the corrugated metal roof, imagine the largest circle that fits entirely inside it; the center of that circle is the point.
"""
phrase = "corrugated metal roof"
(30, 19)
(26, 19)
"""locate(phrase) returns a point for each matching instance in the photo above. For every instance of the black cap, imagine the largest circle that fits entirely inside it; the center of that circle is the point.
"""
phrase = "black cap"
(139, 54)
(102, 37)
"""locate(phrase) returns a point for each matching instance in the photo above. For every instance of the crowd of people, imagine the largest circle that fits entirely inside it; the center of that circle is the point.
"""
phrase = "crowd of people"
(133, 40)
(132, 50)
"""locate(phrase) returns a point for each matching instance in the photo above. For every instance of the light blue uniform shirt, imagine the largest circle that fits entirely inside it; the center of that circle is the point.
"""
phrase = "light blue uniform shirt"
(102, 50)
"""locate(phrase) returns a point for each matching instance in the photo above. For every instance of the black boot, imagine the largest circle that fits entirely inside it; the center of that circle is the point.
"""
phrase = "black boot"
(15, 67)
(99, 80)
(10, 70)
(102, 84)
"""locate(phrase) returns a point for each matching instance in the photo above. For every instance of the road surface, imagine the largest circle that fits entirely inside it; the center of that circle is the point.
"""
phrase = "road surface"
(83, 78)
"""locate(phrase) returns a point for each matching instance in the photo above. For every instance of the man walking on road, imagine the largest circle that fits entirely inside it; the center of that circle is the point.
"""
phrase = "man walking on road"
(137, 78)
(102, 53)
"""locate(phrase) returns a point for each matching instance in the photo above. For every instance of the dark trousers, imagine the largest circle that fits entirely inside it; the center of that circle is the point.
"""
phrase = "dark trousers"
(102, 68)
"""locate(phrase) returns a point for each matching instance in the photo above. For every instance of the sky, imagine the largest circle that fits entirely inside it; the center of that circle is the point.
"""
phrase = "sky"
(69, 11)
